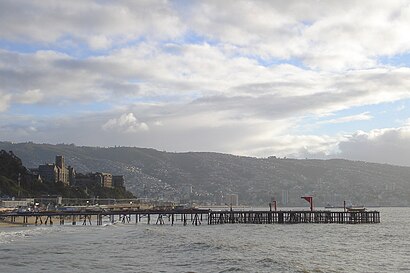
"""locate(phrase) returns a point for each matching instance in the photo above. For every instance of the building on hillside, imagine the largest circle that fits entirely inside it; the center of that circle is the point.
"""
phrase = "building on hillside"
(48, 173)
(71, 175)
(85, 180)
(118, 181)
(31, 177)
(106, 180)
(62, 171)
(94, 180)
(57, 172)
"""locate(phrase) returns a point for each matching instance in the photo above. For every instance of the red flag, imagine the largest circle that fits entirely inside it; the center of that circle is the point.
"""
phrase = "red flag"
(310, 200)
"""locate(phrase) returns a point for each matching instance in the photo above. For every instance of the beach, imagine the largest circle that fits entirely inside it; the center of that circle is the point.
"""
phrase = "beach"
(8, 224)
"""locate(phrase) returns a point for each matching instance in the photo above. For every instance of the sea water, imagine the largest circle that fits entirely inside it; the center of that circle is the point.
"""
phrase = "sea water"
(383, 247)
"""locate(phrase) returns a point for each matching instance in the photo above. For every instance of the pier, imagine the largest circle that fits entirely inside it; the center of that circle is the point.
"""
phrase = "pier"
(294, 217)
(192, 217)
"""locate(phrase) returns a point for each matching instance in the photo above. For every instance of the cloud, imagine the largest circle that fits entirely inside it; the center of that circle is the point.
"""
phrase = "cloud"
(359, 117)
(389, 145)
(205, 100)
(197, 72)
(91, 22)
(20, 130)
(326, 35)
(30, 77)
(183, 129)
(127, 123)
(233, 76)
(30, 97)
(99, 42)
(178, 131)
(4, 101)
(287, 145)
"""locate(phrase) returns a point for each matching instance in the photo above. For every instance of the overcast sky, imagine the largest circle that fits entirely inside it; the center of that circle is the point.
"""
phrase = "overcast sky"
(316, 79)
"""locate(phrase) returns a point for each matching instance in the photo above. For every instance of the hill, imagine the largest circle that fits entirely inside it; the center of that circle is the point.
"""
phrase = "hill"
(156, 174)
(17, 181)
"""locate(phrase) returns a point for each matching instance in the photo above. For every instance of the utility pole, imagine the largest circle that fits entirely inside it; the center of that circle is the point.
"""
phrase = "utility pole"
(19, 183)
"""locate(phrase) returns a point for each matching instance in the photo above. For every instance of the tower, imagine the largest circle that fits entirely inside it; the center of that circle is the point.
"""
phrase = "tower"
(63, 173)
(60, 161)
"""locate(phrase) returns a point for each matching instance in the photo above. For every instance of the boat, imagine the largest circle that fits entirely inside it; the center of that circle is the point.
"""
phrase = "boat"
(356, 209)
(348, 206)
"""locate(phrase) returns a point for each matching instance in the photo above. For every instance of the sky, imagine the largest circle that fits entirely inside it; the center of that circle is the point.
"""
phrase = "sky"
(301, 79)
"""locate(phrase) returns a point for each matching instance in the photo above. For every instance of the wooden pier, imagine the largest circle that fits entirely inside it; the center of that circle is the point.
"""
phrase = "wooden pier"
(294, 217)
(192, 217)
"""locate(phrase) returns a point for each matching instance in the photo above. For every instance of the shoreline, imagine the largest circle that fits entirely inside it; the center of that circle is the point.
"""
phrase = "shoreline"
(5, 224)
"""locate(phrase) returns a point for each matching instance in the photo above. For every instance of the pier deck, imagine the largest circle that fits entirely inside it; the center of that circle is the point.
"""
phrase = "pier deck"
(192, 216)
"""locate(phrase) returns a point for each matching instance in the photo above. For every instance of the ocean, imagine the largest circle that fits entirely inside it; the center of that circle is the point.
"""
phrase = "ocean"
(383, 247)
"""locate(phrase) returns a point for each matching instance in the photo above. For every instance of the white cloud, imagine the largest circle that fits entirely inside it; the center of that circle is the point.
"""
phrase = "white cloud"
(188, 71)
(127, 123)
(30, 96)
(158, 123)
(359, 117)
(327, 35)
(4, 101)
(99, 42)
(93, 22)
(297, 146)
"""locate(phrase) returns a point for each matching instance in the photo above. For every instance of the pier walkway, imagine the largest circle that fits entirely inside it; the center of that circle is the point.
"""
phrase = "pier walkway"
(192, 216)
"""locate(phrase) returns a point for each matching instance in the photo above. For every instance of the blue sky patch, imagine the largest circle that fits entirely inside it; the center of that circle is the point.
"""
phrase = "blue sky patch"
(384, 115)
(396, 60)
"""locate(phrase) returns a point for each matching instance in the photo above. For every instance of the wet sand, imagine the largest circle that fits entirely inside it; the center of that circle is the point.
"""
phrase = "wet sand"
(8, 224)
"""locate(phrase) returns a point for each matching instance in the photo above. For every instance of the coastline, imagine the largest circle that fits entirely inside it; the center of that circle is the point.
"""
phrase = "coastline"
(5, 224)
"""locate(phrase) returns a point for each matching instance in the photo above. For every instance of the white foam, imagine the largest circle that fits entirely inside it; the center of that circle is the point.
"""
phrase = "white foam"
(11, 234)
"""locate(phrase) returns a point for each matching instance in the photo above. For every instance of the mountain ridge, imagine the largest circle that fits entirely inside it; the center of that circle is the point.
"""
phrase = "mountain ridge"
(156, 174)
